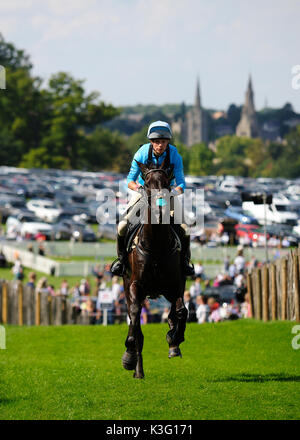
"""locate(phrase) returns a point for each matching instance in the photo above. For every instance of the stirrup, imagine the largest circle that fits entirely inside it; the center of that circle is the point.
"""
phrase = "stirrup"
(189, 270)
(119, 271)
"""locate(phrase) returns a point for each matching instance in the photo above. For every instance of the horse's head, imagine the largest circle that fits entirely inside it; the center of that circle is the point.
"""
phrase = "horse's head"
(157, 187)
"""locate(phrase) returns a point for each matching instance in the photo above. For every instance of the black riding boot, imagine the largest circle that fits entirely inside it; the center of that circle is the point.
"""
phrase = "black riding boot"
(118, 266)
(185, 250)
(186, 255)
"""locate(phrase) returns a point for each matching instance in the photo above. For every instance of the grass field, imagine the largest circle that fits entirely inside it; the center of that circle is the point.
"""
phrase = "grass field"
(233, 370)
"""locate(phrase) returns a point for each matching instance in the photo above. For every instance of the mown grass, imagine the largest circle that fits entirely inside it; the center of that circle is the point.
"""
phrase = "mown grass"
(232, 370)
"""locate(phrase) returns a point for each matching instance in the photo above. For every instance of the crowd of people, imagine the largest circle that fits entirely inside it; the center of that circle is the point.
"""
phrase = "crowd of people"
(106, 292)
(204, 307)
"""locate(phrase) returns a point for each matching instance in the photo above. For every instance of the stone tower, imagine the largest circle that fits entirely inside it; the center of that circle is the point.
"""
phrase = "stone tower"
(195, 130)
(248, 125)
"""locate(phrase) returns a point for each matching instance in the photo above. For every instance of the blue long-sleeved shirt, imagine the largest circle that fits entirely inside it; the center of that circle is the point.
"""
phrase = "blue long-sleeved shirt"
(142, 156)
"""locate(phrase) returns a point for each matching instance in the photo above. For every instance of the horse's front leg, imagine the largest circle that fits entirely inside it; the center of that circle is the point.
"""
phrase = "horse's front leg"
(177, 322)
(132, 358)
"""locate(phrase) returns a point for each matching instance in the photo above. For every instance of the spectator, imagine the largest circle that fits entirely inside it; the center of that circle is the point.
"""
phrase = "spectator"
(31, 280)
(225, 239)
(116, 288)
(42, 286)
(76, 292)
(199, 270)
(41, 250)
(165, 315)
(119, 308)
(196, 288)
(190, 305)
(232, 271)
(64, 288)
(17, 270)
(240, 262)
(239, 280)
(99, 276)
(253, 263)
(76, 311)
(91, 311)
(107, 273)
(84, 287)
(3, 261)
(203, 310)
(145, 312)
(213, 304)
(226, 264)
(30, 247)
(246, 307)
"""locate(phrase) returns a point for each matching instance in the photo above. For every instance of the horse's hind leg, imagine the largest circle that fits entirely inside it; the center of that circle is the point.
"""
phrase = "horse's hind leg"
(177, 322)
(132, 358)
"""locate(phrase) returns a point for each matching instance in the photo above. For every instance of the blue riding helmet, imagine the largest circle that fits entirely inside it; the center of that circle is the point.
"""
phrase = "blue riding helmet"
(159, 130)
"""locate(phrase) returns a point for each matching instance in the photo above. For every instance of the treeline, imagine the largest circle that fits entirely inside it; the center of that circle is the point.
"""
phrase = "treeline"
(237, 156)
(57, 125)
(60, 125)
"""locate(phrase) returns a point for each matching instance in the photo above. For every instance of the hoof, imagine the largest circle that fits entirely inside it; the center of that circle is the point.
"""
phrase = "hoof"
(138, 376)
(174, 352)
(129, 360)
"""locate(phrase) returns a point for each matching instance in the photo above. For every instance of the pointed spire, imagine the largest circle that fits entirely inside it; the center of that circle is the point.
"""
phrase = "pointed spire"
(198, 99)
(250, 83)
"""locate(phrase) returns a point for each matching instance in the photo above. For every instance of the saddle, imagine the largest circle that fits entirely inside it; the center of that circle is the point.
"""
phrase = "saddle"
(131, 239)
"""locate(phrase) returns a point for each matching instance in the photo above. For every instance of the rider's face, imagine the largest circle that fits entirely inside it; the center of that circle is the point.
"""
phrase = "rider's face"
(159, 146)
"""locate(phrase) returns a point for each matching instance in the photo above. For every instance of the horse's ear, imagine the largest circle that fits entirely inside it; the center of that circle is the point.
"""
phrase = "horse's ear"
(142, 167)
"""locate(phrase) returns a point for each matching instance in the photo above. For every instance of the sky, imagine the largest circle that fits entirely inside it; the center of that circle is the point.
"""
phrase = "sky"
(151, 51)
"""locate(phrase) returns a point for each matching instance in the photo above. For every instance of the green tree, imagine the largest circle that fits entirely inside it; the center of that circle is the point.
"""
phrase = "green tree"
(139, 138)
(73, 114)
(107, 151)
(21, 105)
(200, 160)
(13, 58)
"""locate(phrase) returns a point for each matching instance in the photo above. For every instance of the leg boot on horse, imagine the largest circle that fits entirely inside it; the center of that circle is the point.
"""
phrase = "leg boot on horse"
(177, 323)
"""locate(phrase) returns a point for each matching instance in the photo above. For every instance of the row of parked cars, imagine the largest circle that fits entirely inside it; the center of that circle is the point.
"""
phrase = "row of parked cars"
(237, 208)
(51, 204)
(61, 205)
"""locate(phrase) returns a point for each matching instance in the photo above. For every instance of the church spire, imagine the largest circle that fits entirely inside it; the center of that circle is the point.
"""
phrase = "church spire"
(198, 99)
(248, 125)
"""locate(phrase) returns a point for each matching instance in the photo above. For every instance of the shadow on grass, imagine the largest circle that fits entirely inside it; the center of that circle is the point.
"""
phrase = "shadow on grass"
(272, 377)
(6, 401)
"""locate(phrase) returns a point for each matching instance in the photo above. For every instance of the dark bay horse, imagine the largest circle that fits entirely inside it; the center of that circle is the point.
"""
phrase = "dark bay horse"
(153, 268)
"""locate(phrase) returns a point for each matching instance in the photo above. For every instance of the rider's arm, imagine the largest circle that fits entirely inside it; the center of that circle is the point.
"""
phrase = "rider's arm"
(178, 173)
(132, 185)
(134, 171)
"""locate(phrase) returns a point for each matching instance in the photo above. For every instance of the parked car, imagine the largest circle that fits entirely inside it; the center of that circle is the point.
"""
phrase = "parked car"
(8, 204)
(277, 212)
(240, 215)
(80, 231)
(45, 209)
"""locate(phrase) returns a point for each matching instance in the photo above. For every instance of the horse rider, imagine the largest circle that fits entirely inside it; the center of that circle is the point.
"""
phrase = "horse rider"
(155, 152)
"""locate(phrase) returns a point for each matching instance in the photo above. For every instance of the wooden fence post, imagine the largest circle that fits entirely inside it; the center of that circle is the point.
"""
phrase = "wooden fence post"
(283, 288)
(38, 308)
(4, 303)
(265, 293)
(296, 284)
(50, 310)
(259, 295)
(20, 302)
(250, 292)
(274, 292)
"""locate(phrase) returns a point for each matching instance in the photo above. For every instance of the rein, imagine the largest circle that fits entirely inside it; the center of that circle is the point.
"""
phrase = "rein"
(177, 244)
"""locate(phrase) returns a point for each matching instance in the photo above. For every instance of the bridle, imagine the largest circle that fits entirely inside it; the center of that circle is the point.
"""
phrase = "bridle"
(177, 244)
